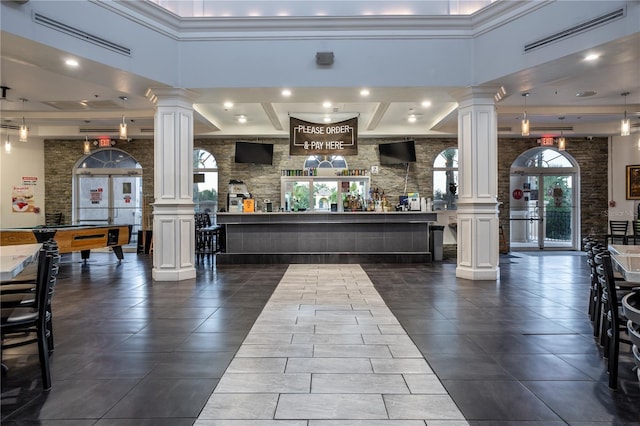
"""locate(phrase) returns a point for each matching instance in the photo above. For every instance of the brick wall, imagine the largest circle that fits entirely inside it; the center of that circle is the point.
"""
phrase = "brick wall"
(264, 181)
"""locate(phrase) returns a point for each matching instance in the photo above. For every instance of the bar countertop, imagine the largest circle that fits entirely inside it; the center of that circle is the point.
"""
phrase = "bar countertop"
(227, 218)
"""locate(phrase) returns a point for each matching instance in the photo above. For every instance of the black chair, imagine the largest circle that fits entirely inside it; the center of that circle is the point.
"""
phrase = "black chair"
(52, 219)
(613, 321)
(20, 291)
(18, 324)
(617, 232)
(631, 309)
(634, 238)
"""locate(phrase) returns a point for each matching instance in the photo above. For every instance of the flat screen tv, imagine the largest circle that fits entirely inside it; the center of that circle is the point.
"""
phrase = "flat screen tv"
(255, 153)
(397, 152)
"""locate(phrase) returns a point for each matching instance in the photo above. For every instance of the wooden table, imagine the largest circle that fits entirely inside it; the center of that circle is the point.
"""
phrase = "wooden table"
(626, 260)
(14, 258)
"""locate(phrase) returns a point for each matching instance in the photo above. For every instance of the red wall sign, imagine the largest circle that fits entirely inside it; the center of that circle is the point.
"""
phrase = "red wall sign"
(517, 194)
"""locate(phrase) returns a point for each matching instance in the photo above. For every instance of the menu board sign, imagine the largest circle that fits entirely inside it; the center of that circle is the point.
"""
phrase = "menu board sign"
(308, 138)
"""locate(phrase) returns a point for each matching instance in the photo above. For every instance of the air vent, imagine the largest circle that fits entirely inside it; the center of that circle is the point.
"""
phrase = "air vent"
(80, 34)
(577, 29)
(9, 127)
(146, 130)
(552, 129)
(98, 130)
(504, 129)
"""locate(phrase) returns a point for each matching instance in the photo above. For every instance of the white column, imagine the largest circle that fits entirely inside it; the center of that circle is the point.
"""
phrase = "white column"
(173, 211)
(478, 226)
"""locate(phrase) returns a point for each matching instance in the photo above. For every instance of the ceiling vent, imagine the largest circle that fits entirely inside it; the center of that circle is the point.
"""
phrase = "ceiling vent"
(9, 127)
(552, 129)
(577, 29)
(80, 34)
(99, 130)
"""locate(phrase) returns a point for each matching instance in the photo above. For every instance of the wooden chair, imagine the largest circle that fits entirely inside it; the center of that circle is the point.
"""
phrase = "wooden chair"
(617, 232)
(19, 324)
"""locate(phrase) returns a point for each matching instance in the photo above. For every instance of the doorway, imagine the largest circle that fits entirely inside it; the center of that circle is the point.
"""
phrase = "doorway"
(544, 201)
(108, 191)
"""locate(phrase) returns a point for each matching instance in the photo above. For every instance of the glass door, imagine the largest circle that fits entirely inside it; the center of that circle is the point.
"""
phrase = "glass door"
(542, 211)
(110, 199)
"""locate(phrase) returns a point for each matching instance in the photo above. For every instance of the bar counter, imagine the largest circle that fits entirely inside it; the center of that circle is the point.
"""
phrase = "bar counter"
(326, 237)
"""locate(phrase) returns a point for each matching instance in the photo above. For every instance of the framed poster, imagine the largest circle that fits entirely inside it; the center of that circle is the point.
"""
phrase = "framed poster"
(633, 182)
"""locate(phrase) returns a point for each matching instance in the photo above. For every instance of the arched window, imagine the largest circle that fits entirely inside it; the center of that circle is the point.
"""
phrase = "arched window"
(325, 162)
(205, 182)
(445, 180)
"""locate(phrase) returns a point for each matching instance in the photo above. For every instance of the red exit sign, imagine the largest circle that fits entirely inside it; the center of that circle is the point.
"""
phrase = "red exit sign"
(104, 143)
(546, 141)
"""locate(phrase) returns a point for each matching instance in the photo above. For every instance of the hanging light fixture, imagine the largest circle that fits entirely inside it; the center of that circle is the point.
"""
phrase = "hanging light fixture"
(122, 135)
(87, 146)
(525, 121)
(562, 142)
(7, 145)
(625, 125)
(24, 130)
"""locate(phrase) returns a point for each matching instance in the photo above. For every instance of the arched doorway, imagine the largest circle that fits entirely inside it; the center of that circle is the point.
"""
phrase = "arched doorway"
(107, 189)
(544, 201)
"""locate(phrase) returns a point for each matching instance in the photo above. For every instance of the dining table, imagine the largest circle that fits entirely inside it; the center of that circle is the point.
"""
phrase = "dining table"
(626, 261)
(13, 259)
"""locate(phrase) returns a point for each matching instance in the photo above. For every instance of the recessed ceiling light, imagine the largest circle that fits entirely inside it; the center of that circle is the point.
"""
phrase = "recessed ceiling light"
(326, 104)
(586, 93)
(426, 104)
(72, 62)
(242, 119)
(591, 57)
(364, 92)
(286, 92)
(228, 104)
(412, 118)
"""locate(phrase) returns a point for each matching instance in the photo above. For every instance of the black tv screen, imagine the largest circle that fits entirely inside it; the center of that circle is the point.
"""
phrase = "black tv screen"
(397, 152)
(255, 153)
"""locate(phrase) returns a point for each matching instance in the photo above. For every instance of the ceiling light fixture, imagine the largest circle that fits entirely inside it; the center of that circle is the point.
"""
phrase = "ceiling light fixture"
(24, 130)
(426, 104)
(525, 121)
(326, 104)
(242, 119)
(228, 104)
(412, 118)
(87, 146)
(72, 62)
(286, 93)
(625, 125)
(364, 92)
(123, 134)
(591, 57)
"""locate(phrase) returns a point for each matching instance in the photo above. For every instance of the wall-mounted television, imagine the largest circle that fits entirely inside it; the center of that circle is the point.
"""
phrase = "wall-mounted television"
(397, 152)
(255, 153)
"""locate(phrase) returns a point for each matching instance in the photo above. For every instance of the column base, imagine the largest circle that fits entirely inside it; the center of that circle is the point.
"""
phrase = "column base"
(492, 274)
(173, 274)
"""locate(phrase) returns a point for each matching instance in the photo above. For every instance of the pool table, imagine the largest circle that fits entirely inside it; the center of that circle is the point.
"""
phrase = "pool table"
(72, 238)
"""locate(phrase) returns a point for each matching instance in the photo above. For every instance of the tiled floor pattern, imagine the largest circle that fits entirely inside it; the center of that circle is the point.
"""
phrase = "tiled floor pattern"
(327, 351)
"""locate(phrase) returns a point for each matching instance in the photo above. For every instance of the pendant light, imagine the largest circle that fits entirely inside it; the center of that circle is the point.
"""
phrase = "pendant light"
(24, 131)
(562, 142)
(525, 121)
(123, 126)
(87, 146)
(625, 125)
(7, 145)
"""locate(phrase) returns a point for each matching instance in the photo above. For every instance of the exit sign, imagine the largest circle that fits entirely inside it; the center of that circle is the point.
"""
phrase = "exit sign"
(546, 141)
(102, 143)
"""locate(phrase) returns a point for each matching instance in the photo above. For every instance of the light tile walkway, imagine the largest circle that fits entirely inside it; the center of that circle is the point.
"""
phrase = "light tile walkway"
(327, 351)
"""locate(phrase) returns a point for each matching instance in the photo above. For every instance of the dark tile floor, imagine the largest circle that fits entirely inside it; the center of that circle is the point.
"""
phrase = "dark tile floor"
(130, 351)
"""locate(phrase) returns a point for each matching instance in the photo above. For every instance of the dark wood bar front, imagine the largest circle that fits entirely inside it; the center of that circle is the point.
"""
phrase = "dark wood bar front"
(323, 237)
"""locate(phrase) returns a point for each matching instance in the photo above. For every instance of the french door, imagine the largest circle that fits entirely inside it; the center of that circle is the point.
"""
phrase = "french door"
(114, 199)
(543, 213)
